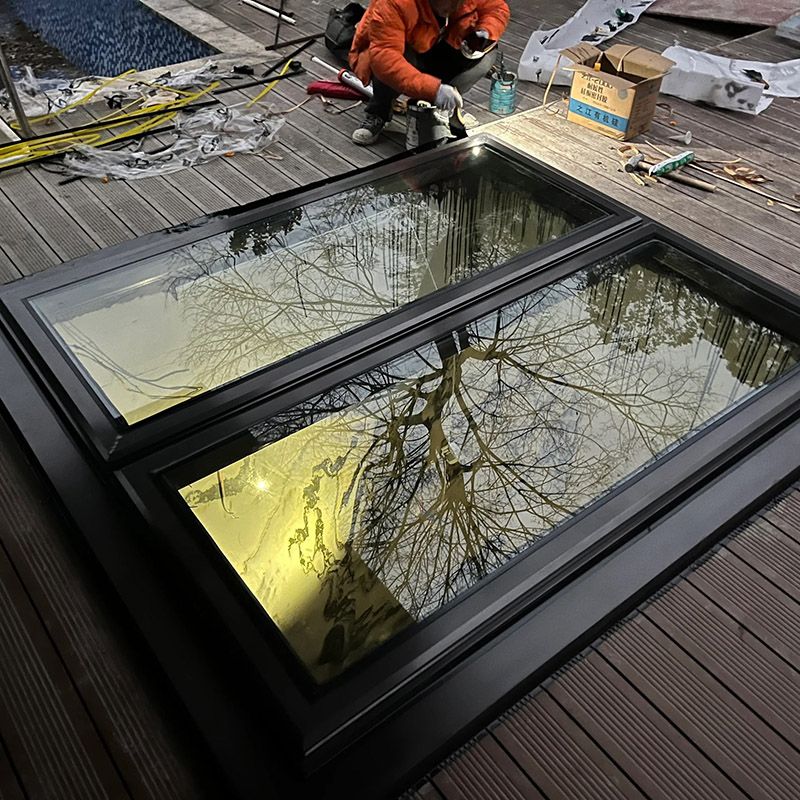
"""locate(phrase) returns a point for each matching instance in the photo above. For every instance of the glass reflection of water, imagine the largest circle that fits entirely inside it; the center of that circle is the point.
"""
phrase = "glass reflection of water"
(391, 495)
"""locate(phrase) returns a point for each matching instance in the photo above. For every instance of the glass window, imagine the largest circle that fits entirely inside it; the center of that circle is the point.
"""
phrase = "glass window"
(371, 506)
(151, 335)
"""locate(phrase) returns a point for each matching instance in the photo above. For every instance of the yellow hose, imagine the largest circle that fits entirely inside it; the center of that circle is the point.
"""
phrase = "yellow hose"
(23, 152)
(77, 103)
(270, 87)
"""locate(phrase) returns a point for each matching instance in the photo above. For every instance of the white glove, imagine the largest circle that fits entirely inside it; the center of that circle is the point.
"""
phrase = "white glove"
(448, 98)
(478, 52)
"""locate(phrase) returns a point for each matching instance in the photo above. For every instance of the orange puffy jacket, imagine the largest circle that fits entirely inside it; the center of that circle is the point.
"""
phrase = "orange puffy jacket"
(391, 26)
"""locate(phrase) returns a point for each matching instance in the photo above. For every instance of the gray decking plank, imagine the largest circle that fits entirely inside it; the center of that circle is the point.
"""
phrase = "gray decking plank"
(79, 202)
(759, 760)
(10, 787)
(50, 738)
(744, 594)
(773, 555)
(24, 245)
(654, 754)
(110, 685)
(44, 213)
(574, 760)
(786, 515)
(484, 771)
(737, 658)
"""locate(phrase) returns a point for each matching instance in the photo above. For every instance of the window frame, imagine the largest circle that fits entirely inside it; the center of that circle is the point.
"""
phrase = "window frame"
(116, 442)
(406, 662)
(415, 696)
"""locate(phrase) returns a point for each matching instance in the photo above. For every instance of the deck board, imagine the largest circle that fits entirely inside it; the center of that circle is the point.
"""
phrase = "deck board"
(696, 694)
(733, 736)
(575, 761)
(36, 694)
(10, 787)
(107, 697)
(740, 660)
(593, 159)
(625, 726)
(635, 716)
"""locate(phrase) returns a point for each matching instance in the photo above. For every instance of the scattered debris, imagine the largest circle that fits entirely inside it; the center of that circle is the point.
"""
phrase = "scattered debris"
(645, 171)
(43, 97)
(790, 29)
(683, 138)
(201, 136)
(746, 86)
(746, 12)
(595, 22)
(745, 174)
(742, 182)
(331, 108)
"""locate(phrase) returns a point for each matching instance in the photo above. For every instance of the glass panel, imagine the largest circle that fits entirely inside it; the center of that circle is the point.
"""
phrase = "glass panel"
(153, 334)
(373, 505)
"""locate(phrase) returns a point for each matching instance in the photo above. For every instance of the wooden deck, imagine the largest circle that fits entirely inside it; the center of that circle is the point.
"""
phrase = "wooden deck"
(696, 695)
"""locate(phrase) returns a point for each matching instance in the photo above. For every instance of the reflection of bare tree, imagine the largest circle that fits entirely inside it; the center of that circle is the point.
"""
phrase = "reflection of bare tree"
(464, 453)
(511, 425)
(676, 313)
(266, 294)
(179, 325)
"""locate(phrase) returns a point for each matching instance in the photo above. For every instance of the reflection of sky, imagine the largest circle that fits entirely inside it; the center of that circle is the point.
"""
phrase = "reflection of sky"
(556, 435)
(475, 450)
(156, 332)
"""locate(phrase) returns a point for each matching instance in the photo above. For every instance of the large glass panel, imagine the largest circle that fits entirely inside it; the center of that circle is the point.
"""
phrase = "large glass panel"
(151, 335)
(371, 506)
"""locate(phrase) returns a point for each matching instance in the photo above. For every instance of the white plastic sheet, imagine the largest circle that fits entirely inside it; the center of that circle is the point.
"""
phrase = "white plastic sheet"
(596, 22)
(44, 96)
(201, 136)
(746, 86)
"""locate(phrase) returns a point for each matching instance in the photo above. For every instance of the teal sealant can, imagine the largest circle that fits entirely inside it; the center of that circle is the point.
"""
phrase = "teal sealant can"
(503, 97)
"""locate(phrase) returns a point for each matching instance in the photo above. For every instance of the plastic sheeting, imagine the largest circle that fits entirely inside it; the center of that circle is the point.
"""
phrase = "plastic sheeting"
(746, 86)
(45, 96)
(743, 12)
(595, 22)
(201, 136)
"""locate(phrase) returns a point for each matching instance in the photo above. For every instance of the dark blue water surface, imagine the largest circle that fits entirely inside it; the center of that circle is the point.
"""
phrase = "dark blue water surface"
(107, 37)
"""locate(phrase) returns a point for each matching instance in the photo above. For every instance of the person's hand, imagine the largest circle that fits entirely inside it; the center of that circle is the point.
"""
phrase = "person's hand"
(476, 44)
(479, 40)
(448, 98)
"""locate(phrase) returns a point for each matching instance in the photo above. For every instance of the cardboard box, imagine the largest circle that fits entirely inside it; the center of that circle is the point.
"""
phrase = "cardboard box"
(615, 91)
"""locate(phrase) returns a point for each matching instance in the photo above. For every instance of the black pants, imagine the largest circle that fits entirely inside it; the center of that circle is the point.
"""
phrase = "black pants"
(443, 62)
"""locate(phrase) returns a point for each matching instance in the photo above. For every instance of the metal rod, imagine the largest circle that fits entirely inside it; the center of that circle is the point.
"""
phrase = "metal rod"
(8, 82)
(313, 37)
(275, 67)
(278, 24)
(271, 11)
(322, 63)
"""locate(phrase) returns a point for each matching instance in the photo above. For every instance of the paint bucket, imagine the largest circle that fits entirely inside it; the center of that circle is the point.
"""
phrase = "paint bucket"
(503, 96)
(425, 124)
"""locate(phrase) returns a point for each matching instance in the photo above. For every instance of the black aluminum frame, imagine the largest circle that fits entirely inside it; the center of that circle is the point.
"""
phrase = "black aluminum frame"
(410, 701)
(115, 442)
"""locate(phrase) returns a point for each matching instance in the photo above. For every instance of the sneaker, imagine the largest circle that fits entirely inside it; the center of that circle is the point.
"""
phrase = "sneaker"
(369, 132)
